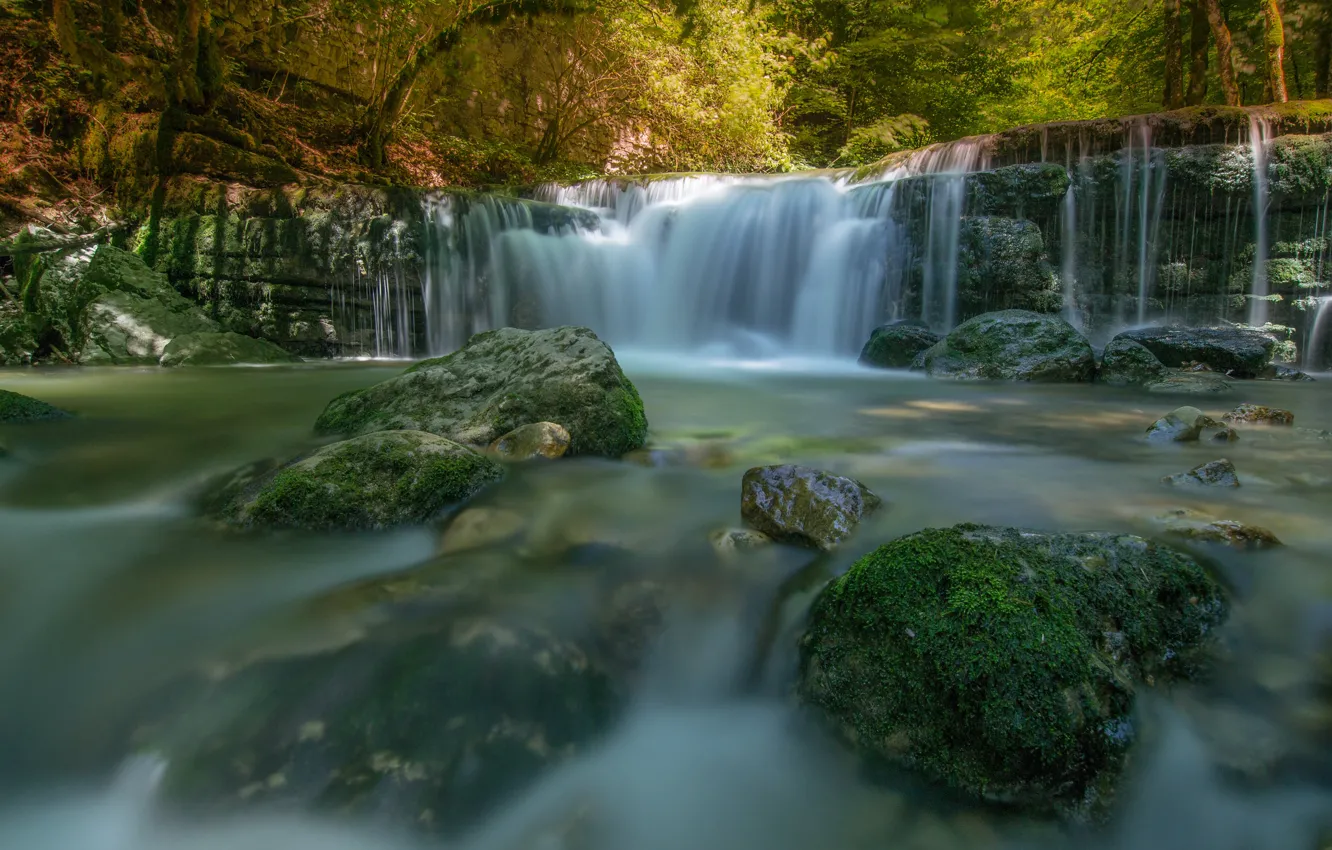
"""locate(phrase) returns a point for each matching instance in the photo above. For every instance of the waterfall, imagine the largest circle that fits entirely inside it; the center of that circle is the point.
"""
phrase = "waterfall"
(1316, 341)
(374, 303)
(1260, 130)
(1068, 261)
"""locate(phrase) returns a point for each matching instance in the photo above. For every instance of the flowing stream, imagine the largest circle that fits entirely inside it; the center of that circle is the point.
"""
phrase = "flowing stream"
(111, 586)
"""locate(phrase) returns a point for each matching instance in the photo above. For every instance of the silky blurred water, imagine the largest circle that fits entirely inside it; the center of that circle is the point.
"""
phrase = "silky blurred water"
(110, 586)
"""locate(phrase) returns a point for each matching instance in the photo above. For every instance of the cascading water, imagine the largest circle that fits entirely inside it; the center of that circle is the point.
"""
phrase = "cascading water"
(1068, 264)
(1260, 131)
(1315, 354)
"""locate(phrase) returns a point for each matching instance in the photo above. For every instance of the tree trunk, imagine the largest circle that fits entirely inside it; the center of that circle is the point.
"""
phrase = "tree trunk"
(185, 68)
(82, 50)
(1225, 58)
(1199, 38)
(1274, 40)
(1174, 58)
(1323, 56)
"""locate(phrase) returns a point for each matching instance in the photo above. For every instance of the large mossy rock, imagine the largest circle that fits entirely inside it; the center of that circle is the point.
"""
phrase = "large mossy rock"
(1242, 352)
(1003, 663)
(896, 345)
(138, 312)
(500, 380)
(377, 480)
(428, 730)
(1002, 265)
(16, 407)
(223, 349)
(1015, 345)
(1126, 363)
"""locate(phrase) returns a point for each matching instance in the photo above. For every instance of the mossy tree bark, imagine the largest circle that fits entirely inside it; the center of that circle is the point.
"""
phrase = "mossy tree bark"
(1225, 52)
(1274, 41)
(83, 50)
(1323, 56)
(1200, 33)
(1174, 57)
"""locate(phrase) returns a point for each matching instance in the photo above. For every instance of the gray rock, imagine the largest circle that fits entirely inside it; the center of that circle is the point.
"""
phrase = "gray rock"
(896, 345)
(377, 480)
(1002, 264)
(1003, 663)
(1194, 525)
(1241, 352)
(1181, 425)
(1257, 414)
(1190, 383)
(729, 541)
(222, 349)
(539, 439)
(1015, 345)
(500, 380)
(1216, 473)
(1128, 363)
(804, 506)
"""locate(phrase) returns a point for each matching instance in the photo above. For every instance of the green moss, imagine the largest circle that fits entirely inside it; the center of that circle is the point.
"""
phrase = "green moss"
(1003, 663)
(15, 407)
(375, 481)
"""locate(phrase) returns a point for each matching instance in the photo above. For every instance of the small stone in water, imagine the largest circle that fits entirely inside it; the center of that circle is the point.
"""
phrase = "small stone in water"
(804, 506)
(1225, 435)
(539, 439)
(1197, 526)
(1217, 473)
(1257, 414)
(1183, 424)
(478, 527)
(728, 541)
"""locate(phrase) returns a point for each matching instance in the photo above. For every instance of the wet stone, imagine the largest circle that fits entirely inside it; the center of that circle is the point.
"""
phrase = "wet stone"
(1257, 414)
(1224, 435)
(1217, 473)
(537, 440)
(1190, 383)
(1193, 525)
(804, 506)
(1181, 425)
(729, 541)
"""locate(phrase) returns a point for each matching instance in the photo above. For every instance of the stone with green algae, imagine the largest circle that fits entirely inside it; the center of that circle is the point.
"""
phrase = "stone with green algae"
(1003, 663)
(1013, 345)
(896, 345)
(804, 506)
(223, 349)
(378, 480)
(17, 408)
(1127, 363)
(500, 380)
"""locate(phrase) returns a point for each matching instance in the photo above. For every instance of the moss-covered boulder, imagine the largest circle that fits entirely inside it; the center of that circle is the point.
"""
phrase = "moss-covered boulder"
(804, 506)
(500, 380)
(16, 407)
(1003, 663)
(1181, 425)
(896, 345)
(137, 313)
(1178, 382)
(1126, 363)
(1241, 352)
(377, 480)
(1002, 264)
(1015, 345)
(222, 349)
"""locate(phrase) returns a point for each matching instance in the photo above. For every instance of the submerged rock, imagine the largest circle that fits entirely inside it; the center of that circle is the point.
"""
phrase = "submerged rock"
(478, 527)
(1216, 473)
(1224, 435)
(1241, 352)
(896, 345)
(500, 380)
(1176, 382)
(1257, 414)
(1282, 372)
(429, 730)
(1128, 363)
(1003, 663)
(16, 407)
(1181, 425)
(1015, 345)
(540, 439)
(1194, 525)
(222, 349)
(804, 506)
(728, 541)
(377, 480)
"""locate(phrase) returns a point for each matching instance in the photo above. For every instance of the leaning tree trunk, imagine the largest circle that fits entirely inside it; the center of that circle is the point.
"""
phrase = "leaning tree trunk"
(377, 126)
(82, 50)
(1225, 58)
(1199, 39)
(1174, 58)
(1274, 41)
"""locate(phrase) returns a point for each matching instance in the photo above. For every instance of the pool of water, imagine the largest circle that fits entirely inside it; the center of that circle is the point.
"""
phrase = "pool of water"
(111, 585)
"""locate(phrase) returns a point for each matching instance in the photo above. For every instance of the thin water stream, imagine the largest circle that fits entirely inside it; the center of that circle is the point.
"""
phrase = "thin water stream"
(110, 586)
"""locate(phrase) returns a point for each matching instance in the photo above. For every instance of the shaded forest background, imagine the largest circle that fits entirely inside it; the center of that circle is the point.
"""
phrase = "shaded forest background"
(99, 97)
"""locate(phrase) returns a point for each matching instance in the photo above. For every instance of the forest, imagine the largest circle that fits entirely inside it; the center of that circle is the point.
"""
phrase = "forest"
(475, 92)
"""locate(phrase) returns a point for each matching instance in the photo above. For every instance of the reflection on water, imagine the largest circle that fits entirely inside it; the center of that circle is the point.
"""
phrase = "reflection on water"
(111, 589)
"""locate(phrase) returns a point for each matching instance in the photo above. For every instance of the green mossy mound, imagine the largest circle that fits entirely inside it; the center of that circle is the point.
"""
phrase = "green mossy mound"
(896, 345)
(1241, 352)
(1127, 363)
(15, 407)
(378, 480)
(1015, 345)
(1002, 663)
(500, 380)
(222, 349)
